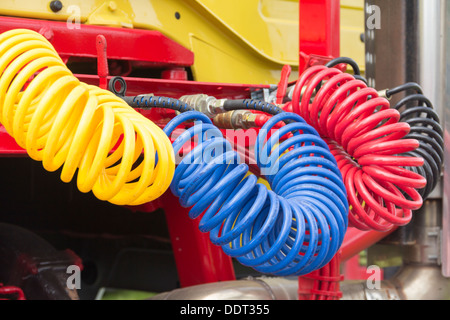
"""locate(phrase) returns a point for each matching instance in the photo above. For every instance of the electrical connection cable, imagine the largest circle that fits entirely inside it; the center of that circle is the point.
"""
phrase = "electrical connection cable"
(350, 62)
(121, 156)
(418, 111)
(292, 229)
(365, 136)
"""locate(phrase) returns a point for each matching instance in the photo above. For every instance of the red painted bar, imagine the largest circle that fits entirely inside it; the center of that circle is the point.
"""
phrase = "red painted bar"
(140, 44)
(319, 29)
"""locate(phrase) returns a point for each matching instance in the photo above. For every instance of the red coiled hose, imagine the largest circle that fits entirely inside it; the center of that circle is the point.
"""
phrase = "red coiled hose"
(365, 136)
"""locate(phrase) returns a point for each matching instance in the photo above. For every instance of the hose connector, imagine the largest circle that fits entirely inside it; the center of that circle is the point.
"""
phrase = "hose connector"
(237, 119)
(208, 105)
(385, 94)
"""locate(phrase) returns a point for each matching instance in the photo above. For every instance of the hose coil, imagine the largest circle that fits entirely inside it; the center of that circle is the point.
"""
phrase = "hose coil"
(293, 229)
(121, 156)
(365, 136)
(418, 111)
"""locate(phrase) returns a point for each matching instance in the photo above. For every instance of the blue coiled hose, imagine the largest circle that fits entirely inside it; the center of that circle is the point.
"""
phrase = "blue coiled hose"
(293, 229)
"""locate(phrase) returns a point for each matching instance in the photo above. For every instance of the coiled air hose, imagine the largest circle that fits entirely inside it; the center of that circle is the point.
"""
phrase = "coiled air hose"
(121, 156)
(293, 229)
(417, 110)
(365, 136)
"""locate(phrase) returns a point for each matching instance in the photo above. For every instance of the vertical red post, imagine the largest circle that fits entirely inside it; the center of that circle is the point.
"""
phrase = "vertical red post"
(102, 61)
(319, 23)
(197, 259)
(319, 36)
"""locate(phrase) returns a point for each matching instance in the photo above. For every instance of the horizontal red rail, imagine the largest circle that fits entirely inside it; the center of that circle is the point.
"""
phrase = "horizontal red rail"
(123, 44)
(178, 88)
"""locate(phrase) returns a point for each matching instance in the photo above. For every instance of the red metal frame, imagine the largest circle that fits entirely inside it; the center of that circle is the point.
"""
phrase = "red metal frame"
(147, 47)
(356, 241)
(8, 146)
(177, 88)
(319, 23)
(197, 259)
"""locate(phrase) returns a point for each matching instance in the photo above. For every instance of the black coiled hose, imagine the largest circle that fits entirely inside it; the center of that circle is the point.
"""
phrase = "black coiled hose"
(417, 110)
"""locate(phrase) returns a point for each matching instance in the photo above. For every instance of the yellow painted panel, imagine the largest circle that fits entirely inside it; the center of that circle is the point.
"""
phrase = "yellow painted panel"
(269, 26)
(352, 26)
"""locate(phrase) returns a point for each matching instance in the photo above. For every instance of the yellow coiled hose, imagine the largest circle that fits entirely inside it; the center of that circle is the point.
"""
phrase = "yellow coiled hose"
(121, 156)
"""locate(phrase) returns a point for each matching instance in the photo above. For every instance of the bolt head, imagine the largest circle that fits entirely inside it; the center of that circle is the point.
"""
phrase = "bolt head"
(56, 6)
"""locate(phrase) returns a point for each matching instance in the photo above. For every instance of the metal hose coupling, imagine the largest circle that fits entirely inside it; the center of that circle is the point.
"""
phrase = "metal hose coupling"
(237, 119)
(208, 105)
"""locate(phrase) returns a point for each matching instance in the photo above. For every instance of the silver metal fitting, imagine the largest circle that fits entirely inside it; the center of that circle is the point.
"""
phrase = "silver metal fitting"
(290, 92)
(383, 93)
(203, 103)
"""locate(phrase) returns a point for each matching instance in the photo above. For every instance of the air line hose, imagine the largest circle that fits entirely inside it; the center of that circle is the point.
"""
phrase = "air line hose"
(151, 101)
(418, 111)
(292, 229)
(252, 104)
(365, 136)
(121, 156)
